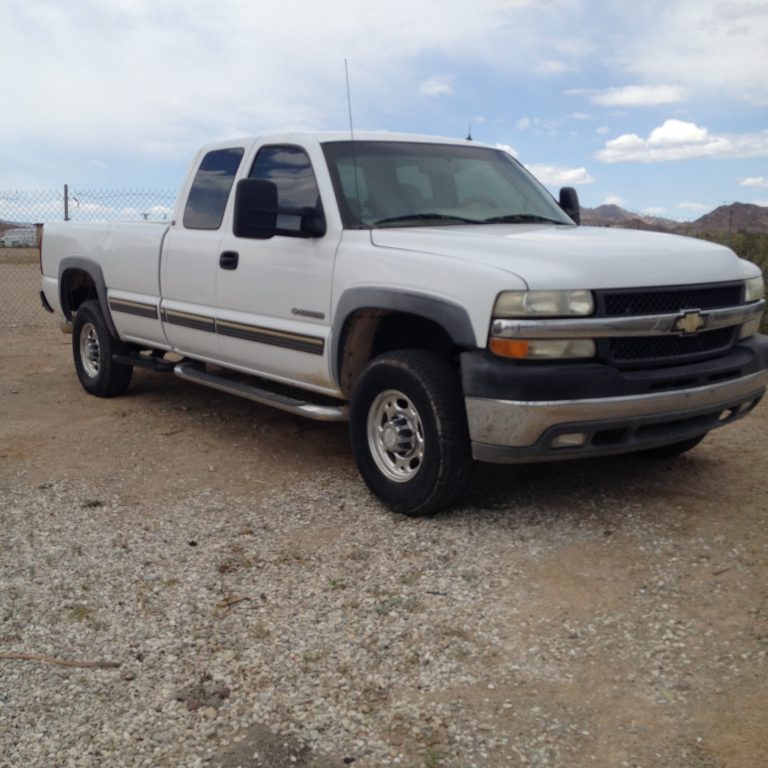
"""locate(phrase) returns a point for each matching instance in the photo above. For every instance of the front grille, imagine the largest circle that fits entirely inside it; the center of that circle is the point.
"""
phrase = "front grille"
(672, 349)
(661, 301)
(660, 349)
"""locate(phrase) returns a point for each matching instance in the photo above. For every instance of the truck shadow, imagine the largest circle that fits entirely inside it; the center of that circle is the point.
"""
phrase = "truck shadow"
(548, 490)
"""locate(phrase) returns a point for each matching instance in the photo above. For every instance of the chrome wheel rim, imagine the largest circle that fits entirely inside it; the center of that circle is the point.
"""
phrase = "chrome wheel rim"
(395, 436)
(90, 351)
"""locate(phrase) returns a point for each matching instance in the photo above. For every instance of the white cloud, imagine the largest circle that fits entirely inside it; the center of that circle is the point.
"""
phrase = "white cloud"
(556, 176)
(538, 125)
(512, 3)
(754, 181)
(639, 96)
(677, 133)
(693, 207)
(144, 76)
(679, 140)
(437, 86)
(141, 80)
(552, 67)
(614, 200)
(710, 45)
(657, 211)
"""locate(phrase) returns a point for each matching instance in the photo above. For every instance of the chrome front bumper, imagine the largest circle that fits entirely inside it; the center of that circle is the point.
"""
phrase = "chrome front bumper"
(509, 431)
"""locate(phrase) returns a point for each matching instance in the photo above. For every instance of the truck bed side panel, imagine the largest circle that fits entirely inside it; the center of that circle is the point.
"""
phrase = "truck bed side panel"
(128, 255)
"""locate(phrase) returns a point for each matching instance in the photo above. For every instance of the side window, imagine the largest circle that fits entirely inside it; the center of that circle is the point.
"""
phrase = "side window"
(290, 170)
(210, 189)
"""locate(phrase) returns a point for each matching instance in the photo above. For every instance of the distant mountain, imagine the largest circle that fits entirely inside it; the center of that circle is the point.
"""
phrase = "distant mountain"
(605, 214)
(615, 216)
(733, 217)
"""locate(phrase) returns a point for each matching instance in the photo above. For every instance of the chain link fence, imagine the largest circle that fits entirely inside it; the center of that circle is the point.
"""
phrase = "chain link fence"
(21, 211)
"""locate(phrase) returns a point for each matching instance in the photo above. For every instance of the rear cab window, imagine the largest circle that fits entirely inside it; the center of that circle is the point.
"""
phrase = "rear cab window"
(210, 189)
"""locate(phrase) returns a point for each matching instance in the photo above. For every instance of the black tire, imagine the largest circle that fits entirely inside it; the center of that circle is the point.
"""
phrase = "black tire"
(92, 349)
(408, 430)
(673, 450)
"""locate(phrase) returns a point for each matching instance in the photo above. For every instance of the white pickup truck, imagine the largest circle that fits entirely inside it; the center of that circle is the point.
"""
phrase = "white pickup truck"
(431, 292)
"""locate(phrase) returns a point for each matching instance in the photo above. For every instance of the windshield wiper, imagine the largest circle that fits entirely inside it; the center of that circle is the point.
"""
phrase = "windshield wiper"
(521, 218)
(426, 217)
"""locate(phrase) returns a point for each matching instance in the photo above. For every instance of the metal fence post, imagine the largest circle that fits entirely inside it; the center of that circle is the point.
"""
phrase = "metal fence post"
(66, 202)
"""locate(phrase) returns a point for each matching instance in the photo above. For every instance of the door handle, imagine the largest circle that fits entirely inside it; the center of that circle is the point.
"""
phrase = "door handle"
(229, 259)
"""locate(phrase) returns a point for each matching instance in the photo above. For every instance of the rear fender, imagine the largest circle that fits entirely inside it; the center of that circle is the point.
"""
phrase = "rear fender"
(70, 267)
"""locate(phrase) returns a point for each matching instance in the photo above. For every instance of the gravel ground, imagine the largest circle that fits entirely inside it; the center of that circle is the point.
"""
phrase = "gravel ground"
(242, 600)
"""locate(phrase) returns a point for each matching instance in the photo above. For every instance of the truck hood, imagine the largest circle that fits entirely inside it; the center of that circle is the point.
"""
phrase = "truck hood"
(551, 257)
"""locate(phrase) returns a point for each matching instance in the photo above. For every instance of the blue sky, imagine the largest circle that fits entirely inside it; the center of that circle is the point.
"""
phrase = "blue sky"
(661, 107)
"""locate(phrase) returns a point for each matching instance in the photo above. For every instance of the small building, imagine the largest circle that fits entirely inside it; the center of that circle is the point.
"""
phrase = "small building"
(19, 237)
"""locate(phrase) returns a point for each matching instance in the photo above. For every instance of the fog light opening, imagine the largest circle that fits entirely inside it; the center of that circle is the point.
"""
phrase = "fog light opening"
(570, 440)
(746, 407)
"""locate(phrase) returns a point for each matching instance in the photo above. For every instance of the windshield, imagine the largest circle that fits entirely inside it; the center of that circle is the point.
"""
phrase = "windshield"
(388, 184)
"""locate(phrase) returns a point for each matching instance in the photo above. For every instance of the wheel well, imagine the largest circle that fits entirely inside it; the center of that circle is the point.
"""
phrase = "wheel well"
(371, 332)
(77, 286)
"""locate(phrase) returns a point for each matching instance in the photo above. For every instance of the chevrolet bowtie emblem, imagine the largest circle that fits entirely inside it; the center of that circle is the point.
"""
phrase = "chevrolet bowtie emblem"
(690, 322)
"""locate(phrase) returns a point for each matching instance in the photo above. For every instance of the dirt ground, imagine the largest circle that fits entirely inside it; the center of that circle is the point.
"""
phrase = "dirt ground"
(633, 593)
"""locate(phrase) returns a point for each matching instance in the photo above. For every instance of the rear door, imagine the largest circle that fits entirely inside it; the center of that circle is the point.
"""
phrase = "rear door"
(190, 263)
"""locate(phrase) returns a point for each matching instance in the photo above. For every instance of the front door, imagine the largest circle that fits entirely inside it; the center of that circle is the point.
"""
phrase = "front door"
(274, 295)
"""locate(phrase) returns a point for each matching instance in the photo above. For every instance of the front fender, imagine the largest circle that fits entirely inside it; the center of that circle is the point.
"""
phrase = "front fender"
(452, 317)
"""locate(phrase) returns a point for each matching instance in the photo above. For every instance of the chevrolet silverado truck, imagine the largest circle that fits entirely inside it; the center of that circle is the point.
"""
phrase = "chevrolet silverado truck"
(428, 291)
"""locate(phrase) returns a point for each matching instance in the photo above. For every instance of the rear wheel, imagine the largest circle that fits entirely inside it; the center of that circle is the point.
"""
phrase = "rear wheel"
(409, 434)
(92, 349)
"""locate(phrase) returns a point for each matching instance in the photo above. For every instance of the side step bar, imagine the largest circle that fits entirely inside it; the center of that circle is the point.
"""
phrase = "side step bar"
(191, 372)
(151, 362)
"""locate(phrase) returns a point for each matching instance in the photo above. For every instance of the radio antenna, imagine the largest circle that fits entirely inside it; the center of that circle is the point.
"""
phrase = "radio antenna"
(356, 213)
(349, 101)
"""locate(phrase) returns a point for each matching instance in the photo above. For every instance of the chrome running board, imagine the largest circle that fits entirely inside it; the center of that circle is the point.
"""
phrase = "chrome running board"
(284, 402)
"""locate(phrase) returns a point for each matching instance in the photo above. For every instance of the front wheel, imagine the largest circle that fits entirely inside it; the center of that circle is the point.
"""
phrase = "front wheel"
(408, 432)
(92, 349)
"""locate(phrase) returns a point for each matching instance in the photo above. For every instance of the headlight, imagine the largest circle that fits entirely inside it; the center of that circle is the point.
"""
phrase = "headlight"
(755, 289)
(545, 304)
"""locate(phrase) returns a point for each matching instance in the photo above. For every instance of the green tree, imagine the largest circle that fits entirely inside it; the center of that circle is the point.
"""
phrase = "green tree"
(752, 246)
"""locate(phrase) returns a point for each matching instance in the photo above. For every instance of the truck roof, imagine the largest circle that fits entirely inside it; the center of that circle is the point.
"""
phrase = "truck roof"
(323, 137)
